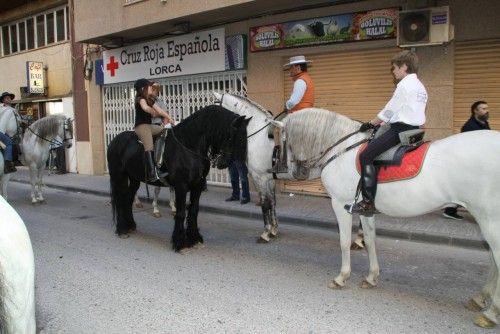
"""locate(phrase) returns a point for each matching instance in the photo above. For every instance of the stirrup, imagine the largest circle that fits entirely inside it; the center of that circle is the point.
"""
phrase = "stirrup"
(362, 208)
(278, 168)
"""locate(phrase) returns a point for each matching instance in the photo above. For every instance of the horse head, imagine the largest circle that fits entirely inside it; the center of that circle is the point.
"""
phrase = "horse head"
(235, 145)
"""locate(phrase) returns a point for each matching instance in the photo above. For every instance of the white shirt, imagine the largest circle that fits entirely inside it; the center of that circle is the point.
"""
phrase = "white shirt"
(407, 104)
(299, 89)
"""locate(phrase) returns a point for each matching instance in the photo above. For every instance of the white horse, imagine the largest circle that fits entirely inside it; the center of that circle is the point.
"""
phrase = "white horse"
(17, 274)
(55, 129)
(260, 151)
(462, 169)
(9, 125)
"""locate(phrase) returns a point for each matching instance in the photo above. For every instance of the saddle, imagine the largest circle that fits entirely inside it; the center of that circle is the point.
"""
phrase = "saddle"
(409, 141)
(158, 146)
(401, 162)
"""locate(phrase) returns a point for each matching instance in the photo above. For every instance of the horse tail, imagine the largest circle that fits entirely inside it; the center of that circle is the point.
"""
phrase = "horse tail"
(3, 312)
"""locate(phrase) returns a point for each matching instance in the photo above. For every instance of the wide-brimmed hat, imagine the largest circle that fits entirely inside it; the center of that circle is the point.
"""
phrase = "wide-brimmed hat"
(141, 83)
(296, 60)
(4, 94)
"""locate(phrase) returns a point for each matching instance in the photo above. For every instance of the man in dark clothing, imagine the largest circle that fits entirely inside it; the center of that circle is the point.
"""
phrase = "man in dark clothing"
(477, 121)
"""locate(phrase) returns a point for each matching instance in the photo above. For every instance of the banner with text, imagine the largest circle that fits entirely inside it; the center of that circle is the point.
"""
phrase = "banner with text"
(199, 52)
(35, 77)
(375, 24)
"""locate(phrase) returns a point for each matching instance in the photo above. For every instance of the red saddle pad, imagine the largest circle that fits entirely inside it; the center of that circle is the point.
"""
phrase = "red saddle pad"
(409, 168)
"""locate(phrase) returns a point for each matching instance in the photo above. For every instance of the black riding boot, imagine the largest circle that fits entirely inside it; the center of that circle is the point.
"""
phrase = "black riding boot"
(279, 161)
(152, 173)
(368, 190)
(9, 167)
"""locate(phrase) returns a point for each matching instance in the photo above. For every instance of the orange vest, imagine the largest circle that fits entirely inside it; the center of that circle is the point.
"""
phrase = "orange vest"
(308, 98)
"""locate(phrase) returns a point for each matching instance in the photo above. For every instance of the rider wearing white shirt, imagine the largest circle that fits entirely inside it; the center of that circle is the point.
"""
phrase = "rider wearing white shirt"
(407, 104)
(405, 111)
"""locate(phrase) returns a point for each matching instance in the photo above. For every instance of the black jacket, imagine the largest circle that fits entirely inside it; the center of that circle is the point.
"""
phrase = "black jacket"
(473, 124)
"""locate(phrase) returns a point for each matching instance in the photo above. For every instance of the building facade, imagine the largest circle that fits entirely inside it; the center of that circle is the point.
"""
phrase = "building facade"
(36, 36)
(350, 66)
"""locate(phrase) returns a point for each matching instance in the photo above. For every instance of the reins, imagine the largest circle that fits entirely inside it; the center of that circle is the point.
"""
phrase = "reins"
(210, 160)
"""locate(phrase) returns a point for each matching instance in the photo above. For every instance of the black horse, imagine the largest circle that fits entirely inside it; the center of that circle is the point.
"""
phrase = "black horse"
(211, 135)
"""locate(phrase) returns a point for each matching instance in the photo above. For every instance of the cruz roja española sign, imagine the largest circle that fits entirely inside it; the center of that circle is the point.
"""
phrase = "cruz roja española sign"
(199, 52)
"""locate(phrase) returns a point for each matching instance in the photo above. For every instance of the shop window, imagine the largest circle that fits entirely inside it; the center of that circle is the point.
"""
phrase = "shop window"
(30, 32)
(5, 40)
(60, 25)
(35, 31)
(13, 38)
(22, 36)
(40, 30)
(50, 28)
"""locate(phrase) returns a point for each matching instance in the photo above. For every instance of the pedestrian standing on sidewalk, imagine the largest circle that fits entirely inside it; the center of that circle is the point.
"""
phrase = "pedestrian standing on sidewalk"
(238, 172)
(477, 121)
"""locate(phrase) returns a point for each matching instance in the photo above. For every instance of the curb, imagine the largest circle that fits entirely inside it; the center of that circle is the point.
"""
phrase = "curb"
(309, 222)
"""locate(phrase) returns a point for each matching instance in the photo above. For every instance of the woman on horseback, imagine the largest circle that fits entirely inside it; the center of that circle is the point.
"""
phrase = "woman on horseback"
(145, 109)
(404, 111)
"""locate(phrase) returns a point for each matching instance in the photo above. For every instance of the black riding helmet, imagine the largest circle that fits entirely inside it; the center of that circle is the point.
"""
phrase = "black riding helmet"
(141, 83)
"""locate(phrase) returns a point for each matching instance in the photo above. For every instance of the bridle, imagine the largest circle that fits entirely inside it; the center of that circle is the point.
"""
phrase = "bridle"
(262, 128)
(67, 127)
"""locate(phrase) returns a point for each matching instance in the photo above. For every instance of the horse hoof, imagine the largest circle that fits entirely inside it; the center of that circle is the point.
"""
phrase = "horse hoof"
(173, 213)
(334, 285)
(156, 214)
(473, 306)
(138, 205)
(198, 245)
(264, 238)
(357, 245)
(123, 236)
(483, 322)
(366, 285)
(184, 251)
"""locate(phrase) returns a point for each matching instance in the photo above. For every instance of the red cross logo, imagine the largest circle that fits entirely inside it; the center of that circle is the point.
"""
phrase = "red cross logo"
(112, 65)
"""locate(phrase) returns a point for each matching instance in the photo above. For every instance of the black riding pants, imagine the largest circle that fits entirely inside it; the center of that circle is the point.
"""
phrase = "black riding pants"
(383, 143)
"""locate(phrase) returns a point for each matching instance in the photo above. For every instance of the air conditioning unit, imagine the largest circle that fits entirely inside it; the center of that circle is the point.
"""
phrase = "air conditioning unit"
(428, 26)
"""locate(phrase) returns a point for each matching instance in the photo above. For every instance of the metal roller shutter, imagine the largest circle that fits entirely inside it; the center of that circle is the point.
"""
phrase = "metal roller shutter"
(477, 77)
(354, 83)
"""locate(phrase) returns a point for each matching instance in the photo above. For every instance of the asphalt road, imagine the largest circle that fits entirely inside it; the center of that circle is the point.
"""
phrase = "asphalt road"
(90, 281)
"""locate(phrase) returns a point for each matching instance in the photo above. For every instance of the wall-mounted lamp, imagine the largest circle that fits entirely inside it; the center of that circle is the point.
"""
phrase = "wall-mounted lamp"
(180, 28)
(112, 43)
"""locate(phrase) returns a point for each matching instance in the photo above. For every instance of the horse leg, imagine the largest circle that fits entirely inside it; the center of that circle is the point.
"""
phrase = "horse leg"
(488, 318)
(345, 229)
(193, 233)
(359, 241)
(156, 210)
(39, 196)
(179, 240)
(268, 201)
(274, 218)
(266, 214)
(133, 186)
(137, 202)
(479, 301)
(369, 227)
(172, 200)
(33, 180)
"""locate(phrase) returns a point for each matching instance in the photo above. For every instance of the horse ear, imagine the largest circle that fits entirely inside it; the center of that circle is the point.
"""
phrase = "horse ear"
(247, 120)
(236, 123)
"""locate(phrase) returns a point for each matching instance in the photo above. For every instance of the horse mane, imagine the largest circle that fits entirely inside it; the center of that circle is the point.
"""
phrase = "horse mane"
(47, 126)
(254, 104)
(311, 131)
(209, 121)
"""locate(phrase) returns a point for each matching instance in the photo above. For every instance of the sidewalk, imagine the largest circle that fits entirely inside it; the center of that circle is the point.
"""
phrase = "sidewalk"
(291, 209)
